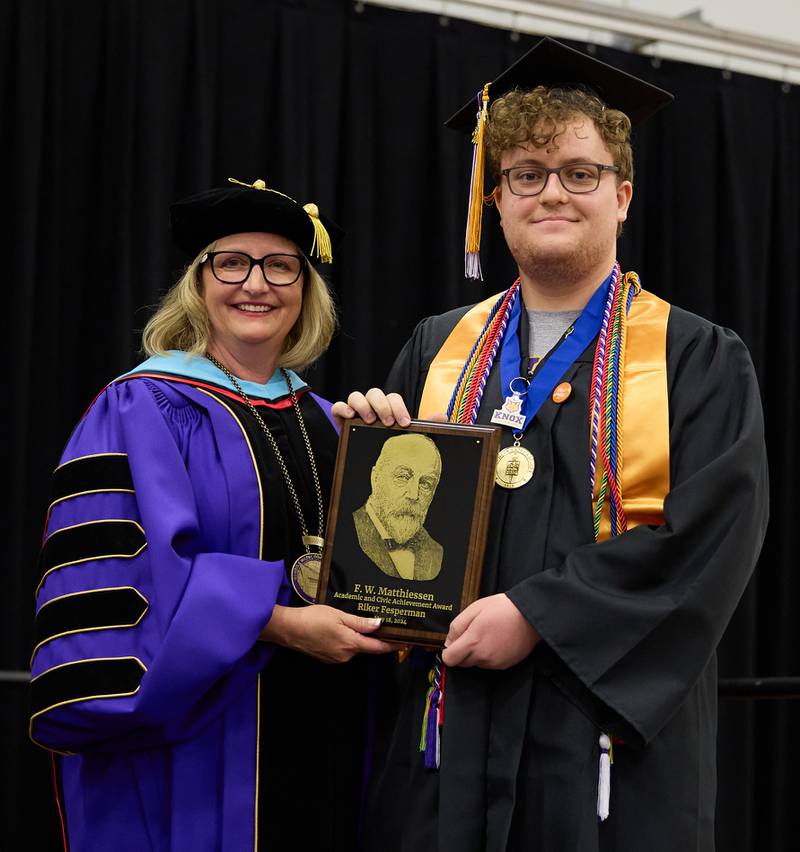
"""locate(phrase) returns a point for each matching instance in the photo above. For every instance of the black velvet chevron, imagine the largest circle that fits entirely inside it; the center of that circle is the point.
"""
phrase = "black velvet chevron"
(85, 679)
(90, 610)
(106, 472)
(95, 540)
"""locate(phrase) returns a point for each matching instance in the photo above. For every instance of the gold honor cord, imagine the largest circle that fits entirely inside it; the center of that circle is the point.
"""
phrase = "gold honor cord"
(645, 416)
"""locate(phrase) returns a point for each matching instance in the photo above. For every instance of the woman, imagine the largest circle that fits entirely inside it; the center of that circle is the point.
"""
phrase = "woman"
(177, 663)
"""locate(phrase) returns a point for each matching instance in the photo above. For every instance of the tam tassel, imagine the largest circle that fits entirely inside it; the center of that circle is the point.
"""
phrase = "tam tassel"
(604, 779)
(472, 260)
(321, 246)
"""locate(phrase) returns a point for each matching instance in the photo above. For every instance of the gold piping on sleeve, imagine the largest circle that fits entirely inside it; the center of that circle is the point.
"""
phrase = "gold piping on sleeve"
(84, 493)
(82, 697)
(91, 558)
(90, 456)
(90, 629)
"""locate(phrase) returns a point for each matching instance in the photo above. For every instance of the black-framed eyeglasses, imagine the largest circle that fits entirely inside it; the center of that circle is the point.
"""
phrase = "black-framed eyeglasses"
(234, 267)
(576, 178)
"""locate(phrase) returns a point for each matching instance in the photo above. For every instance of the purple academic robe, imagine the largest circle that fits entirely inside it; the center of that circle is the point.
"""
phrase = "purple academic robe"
(147, 665)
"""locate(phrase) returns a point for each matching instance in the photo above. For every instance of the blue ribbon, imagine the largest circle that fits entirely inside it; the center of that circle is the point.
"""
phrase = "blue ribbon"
(584, 330)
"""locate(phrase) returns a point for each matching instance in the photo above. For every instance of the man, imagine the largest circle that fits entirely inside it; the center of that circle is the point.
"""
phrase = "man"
(629, 513)
(389, 525)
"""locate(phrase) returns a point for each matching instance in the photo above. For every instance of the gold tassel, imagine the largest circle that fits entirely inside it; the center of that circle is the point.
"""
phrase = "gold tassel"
(472, 262)
(322, 240)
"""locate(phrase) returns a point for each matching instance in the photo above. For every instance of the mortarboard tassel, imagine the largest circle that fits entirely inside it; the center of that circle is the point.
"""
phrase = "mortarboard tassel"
(322, 240)
(472, 260)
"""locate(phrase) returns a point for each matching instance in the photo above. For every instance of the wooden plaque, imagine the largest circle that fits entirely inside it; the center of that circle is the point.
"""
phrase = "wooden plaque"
(407, 525)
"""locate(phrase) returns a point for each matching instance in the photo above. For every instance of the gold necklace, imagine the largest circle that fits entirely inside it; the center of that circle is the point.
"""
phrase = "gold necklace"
(305, 570)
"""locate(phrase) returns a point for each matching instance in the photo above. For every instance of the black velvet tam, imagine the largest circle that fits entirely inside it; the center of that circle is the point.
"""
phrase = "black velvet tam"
(551, 63)
(200, 219)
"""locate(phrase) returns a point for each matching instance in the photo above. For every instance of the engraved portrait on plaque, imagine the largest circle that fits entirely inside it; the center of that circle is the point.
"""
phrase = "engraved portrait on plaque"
(390, 526)
(407, 525)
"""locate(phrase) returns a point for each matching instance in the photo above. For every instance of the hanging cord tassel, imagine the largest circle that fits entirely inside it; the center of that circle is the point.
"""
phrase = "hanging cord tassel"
(604, 778)
(322, 241)
(606, 452)
(472, 259)
(433, 717)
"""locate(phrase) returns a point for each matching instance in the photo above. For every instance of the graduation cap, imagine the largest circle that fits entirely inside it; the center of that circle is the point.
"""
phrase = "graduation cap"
(200, 219)
(553, 64)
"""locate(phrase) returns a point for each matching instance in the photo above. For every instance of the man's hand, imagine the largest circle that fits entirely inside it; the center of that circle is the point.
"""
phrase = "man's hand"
(389, 408)
(320, 631)
(491, 633)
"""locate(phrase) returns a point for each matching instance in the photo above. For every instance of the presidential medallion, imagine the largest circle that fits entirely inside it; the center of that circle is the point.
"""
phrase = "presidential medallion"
(515, 466)
(305, 576)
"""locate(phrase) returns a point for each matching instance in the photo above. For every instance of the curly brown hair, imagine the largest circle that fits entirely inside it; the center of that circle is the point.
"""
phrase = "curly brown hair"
(539, 116)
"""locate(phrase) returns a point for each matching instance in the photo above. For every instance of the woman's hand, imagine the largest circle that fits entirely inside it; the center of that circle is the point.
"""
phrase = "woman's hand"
(323, 632)
(374, 404)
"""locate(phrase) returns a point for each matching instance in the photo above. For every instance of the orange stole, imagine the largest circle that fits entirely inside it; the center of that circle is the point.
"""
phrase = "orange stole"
(644, 475)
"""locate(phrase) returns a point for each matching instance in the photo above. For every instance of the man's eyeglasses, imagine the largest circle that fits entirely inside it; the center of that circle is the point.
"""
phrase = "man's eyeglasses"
(576, 178)
(234, 267)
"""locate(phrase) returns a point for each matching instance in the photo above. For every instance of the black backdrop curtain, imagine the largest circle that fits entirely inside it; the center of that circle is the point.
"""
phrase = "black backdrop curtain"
(111, 110)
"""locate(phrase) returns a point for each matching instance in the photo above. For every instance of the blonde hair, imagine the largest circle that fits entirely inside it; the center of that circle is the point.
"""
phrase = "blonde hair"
(181, 321)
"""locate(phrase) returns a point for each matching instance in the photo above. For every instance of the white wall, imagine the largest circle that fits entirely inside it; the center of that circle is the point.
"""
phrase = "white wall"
(778, 19)
(589, 21)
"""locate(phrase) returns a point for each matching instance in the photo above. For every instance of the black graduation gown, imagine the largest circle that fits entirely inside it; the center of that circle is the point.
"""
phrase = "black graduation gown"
(629, 630)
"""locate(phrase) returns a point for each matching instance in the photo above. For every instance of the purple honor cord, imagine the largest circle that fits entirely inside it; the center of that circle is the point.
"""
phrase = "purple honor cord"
(584, 330)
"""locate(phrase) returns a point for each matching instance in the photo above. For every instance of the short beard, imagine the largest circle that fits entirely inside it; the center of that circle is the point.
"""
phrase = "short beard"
(556, 270)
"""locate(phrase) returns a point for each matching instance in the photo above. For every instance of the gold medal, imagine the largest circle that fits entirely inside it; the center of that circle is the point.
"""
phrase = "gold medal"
(515, 466)
(305, 576)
